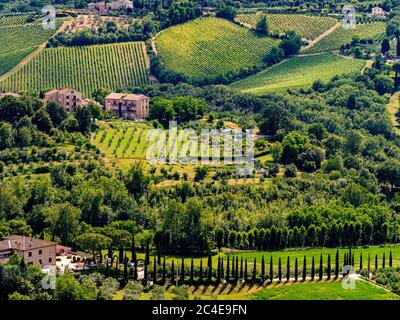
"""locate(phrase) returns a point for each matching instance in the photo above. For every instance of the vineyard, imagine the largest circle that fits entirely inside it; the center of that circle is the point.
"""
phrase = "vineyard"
(17, 41)
(16, 20)
(309, 27)
(208, 47)
(298, 72)
(112, 67)
(341, 36)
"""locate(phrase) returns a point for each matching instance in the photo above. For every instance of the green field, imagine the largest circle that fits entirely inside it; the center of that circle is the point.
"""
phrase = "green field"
(308, 27)
(208, 47)
(298, 72)
(14, 20)
(112, 67)
(17, 41)
(323, 291)
(341, 36)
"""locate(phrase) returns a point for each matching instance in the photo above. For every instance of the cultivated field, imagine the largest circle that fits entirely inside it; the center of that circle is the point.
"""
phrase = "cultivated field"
(18, 39)
(297, 72)
(208, 47)
(83, 22)
(309, 27)
(341, 36)
(112, 67)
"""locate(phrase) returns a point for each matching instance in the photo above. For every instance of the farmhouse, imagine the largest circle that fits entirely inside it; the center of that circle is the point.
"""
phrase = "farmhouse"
(34, 251)
(128, 106)
(99, 7)
(103, 7)
(69, 98)
(377, 13)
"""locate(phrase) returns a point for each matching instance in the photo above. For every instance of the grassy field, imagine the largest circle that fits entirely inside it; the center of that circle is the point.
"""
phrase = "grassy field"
(308, 27)
(112, 67)
(297, 72)
(323, 291)
(393, 107)
(19, 40)
(341, 36)
(208, 47)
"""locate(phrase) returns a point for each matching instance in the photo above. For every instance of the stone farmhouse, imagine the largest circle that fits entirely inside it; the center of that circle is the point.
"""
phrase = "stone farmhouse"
(378, 13)
(128, 106)
(69, 98)
(104, 7)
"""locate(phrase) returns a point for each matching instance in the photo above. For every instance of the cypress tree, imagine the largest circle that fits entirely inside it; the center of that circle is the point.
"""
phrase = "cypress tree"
(133, 249)
(192, 271)
(350, 256)
(237, 270)
(271, 270)
(135, 270)
(172, 272)
(369, 264)
(245, 270)
(288, 269)
(328, 269)
(107, 269)
(321, 268)
(209, 273)
(241, 267)
(253, 279)
(296, 270)
(312, 268)
(262, 269)
(304, 268)
(352, 260)
(146, 279)
(280, 270)
(376, 261)
(361, 262)
(383, 261)
(390, 259)
(222, 268)
(345, 259)
(155, 270)
(125, 278)
(227, 271)
(147, 258)
(337, 264)
(164, 272)
(183, 271)
(201, 271)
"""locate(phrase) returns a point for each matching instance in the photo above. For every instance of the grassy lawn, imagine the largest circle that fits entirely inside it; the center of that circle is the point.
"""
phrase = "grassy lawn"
(298, 72)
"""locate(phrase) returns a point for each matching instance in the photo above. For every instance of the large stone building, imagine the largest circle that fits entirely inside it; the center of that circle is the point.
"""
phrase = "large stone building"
(34, 251)
(69, 98)
(128, 106)
(104, 7)
(378, 13)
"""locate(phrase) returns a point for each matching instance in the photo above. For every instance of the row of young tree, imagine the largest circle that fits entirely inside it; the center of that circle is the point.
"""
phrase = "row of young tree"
(234, 269)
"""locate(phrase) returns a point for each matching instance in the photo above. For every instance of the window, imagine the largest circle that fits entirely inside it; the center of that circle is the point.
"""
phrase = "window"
(50, 260)
(40, 261)
(30, 254)
(40, 251)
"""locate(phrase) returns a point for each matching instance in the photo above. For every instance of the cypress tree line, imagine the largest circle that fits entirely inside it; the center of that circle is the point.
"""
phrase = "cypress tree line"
(296, 270)
(280, 270)
(245, 270)
(328, 269)
(201, 271)
(376, 261)
(390, 259)
(288, 269)
(337, 264)
(164, 272)
(183, 271)
(237, 270)
(383, 261)
(369, 264)
(312, 268)
(304, 268)
(209, 274)
(192, 271)
(253, 278)
(155, 270)
(241, 267)
(321, 268)
(172, 272)
(271, 270)
(361, 262)
(227, 270)
(262, 269)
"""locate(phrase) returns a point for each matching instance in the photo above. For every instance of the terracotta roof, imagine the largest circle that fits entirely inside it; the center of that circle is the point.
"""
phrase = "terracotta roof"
(23, 243)
(126, 96)
(51, 91)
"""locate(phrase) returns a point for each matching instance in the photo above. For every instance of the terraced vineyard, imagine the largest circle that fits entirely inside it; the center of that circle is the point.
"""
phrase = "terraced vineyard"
(309, 27)
(298, 72)
(17, 41)
(208, 47)
(112, 67)
(341, 36)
